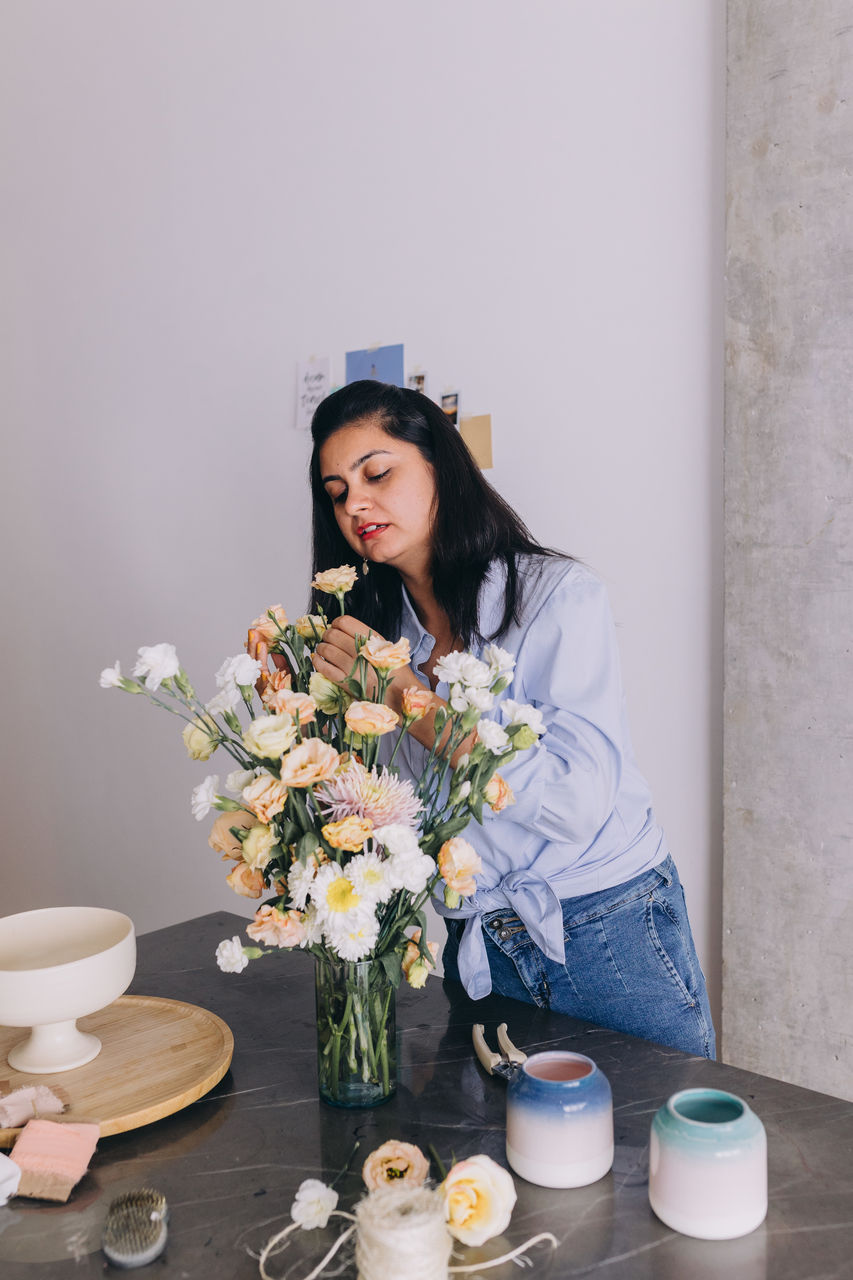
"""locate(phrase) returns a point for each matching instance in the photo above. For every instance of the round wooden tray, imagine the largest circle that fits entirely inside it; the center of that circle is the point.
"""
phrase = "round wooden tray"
(157, 1057)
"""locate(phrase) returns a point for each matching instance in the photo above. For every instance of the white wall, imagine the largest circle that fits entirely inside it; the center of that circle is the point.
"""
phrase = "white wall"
(529, 196)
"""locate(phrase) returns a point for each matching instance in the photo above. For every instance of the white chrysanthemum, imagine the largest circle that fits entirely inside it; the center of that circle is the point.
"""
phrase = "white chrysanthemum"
(111, 677)
(157, 663)
(398, 839)
(465, 669)
(313, 1204)
(464, 696)
(493, 736)
(353, 937)
(313, 927)
(230, 955)
(411, 872)
(204, 795)
(501, 662)
(334, 895)
(523, 713)
(369, 874)
(300, 879)
(375, 794)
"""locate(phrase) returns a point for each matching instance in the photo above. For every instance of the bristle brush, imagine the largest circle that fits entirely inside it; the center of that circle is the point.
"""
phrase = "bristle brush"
(135, 1228)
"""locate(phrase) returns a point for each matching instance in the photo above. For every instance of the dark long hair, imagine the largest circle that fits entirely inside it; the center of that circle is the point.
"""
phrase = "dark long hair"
(472, 524)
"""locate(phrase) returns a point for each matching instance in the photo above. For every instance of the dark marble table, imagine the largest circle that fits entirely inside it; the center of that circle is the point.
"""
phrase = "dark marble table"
(229, 1164)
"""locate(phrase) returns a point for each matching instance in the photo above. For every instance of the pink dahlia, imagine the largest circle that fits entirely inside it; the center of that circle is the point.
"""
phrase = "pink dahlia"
(379, 796)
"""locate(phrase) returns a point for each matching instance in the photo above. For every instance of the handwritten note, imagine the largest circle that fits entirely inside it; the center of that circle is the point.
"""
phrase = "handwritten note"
(312, 386)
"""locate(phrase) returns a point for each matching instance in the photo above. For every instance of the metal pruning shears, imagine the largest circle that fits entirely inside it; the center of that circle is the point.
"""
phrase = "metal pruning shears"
(505, 1063)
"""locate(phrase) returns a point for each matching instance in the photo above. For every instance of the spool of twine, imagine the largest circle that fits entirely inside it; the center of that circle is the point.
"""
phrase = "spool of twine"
(402, 1233)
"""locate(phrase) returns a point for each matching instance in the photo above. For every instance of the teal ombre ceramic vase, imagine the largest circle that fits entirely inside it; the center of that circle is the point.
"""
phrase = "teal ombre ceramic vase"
(559, 1120)
(708, 1165)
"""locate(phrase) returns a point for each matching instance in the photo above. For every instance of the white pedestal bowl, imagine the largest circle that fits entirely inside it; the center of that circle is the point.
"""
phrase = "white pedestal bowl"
(58, 964)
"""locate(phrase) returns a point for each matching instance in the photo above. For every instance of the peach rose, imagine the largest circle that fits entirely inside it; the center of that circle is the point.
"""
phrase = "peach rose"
(221, 839)
(383, 655)
(299, 706)
(276, 928)
(417, 701)
(459, 862)
(348, 833)
(266, 796)
(309, 763)
(332, 581)
(258, 847)
(498, 793)
(246, 881)
(416, 969)
(395, 1164)
(268, 737)
(310, 626)
(266, 628)
(274, 683)
(370, 719)
(478, 1199)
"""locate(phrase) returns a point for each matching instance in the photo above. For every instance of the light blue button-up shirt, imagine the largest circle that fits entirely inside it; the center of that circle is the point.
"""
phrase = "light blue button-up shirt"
(582, 819)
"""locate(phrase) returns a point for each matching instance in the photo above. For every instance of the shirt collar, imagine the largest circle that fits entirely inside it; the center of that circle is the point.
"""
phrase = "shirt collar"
(490, 609)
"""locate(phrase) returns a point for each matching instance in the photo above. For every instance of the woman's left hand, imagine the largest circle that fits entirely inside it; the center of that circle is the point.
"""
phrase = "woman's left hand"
(335, 655)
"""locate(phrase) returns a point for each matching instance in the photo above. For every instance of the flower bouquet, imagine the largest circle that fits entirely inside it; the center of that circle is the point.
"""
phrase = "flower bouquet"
(347, 850)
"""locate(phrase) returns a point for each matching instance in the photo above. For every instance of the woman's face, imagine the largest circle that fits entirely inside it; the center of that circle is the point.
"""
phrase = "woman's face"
(382, 492)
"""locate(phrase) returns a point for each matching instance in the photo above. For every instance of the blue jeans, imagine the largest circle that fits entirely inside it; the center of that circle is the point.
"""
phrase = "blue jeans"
(630, 965)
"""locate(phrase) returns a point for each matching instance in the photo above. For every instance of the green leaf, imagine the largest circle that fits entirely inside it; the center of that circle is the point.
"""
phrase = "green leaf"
(305, 846)
(392, 963)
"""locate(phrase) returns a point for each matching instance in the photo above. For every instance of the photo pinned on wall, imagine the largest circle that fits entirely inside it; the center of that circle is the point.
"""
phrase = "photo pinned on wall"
(476, 431)
(417, 382)
(312, 386)
(450, 405)
(382, 364)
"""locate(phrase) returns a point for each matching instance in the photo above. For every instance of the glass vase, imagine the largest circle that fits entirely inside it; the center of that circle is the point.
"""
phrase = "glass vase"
(356, 1033)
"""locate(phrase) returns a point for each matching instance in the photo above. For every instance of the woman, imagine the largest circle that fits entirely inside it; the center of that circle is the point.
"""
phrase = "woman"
(579, 907)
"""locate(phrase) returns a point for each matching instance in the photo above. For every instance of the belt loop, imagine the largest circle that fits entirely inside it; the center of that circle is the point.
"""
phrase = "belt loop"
(665, 870)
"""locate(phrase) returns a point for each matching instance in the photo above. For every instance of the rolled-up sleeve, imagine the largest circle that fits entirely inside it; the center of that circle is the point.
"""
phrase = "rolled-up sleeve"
(568, 667)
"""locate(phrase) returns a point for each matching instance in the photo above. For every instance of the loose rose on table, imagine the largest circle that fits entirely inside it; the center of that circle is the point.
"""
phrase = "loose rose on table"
(479, 1197)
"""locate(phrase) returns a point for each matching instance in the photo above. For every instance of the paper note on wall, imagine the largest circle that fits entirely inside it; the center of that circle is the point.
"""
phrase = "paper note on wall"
(382, 364)
(312, 386)
(477, 434)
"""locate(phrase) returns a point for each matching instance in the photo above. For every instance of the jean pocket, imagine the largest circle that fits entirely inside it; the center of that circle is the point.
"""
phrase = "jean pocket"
(673, 948)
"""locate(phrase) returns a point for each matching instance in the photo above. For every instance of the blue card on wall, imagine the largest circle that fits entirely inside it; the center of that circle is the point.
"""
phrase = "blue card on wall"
(384, 364)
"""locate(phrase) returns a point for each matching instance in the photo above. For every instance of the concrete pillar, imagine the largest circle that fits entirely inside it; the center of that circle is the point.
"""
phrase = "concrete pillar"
(788, 767)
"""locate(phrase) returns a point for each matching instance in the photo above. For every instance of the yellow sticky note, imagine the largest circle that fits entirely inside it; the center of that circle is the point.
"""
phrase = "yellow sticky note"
(477, 434)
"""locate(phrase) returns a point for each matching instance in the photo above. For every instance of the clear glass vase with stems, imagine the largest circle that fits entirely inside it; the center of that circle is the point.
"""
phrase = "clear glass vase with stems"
(356, 1033)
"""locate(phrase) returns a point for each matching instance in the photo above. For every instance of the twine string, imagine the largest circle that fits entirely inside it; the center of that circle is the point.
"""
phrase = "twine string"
(397, 1233)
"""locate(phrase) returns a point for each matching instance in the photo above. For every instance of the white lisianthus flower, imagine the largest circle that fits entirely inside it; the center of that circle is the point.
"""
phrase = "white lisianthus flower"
(411, 872)
(353, 936)
(464, 791)
(204, 795)
(493, 737)
(465, 669)
(111, 677)
(230, 955)
(238, 779)
(523, 713)
(157, 663)
(369, 874)
(313, 1205)
(270, 736)
(501, 662)
(398, 839)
